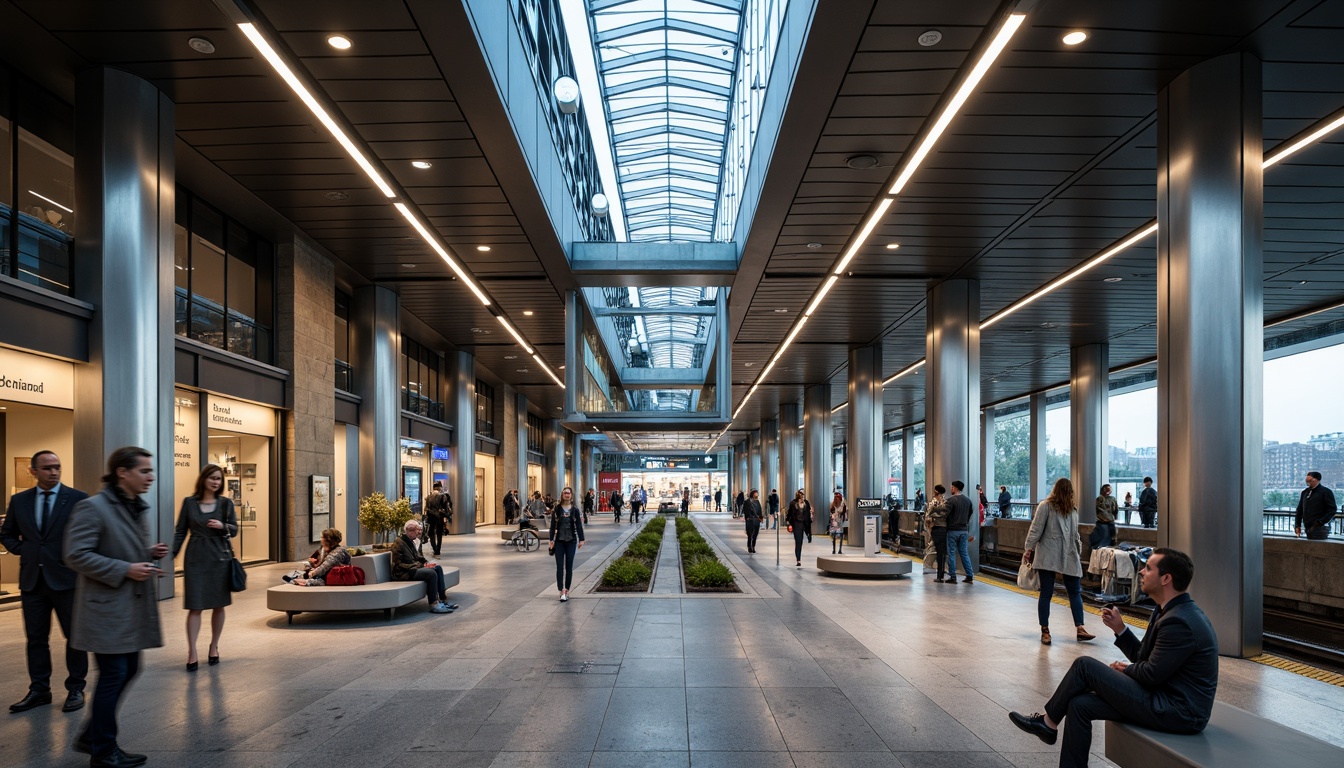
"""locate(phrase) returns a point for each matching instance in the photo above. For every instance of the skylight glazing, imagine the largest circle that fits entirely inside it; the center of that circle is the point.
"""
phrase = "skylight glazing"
(667, 69)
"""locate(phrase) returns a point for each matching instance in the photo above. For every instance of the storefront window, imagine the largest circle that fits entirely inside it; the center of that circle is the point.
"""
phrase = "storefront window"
(46, 214)
(35, 417)
(187, 463)
(224, 286)
(239, 440)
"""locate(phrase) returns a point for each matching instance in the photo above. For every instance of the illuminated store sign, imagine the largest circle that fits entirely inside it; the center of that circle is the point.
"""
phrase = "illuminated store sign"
(36, 380)
(237, 416)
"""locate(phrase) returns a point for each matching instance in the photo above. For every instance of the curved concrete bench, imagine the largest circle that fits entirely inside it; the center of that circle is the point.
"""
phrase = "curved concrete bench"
(1233, 738)
(858, 565)
(378, 593)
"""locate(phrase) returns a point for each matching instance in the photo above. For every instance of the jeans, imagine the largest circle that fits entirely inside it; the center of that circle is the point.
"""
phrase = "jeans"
(1106, 534)
(564, 562)
(753, 530)
(957, 542)
(1148, 517)
(1072, 584)
(38, 605)
(940, 548)
(798, 535)
(1318, 533)
(435, 588)
(807, 529)
(1091, 690)
(115, 672)
(434, 530)
(635, 508)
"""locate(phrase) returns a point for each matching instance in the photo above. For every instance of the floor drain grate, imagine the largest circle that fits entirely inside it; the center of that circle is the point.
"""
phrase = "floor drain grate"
(584, 668)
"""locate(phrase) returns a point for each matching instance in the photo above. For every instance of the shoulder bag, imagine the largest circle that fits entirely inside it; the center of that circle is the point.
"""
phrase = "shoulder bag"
(1027, 578)
(237, 576)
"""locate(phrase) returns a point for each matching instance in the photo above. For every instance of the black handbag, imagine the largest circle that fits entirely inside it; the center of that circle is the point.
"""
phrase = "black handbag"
(237, 576)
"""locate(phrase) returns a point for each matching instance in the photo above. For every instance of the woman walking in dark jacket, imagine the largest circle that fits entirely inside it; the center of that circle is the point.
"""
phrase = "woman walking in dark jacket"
(212, 522)
(798, 518)
(589, 504)
(566, 539)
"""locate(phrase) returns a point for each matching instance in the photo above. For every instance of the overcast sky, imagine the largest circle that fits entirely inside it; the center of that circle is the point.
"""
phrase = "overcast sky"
(1301, 400)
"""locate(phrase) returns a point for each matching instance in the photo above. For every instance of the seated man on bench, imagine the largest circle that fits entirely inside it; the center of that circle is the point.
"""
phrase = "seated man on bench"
(1169, 686)
(408, 565)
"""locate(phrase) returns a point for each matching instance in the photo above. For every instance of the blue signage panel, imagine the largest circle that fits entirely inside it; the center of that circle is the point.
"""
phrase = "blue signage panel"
(439, 453)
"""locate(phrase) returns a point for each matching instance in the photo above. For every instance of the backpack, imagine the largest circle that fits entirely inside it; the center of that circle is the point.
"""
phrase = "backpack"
(345, 576)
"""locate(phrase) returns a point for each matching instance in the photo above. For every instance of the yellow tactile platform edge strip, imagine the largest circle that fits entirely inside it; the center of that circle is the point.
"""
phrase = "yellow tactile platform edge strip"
(1267, 659)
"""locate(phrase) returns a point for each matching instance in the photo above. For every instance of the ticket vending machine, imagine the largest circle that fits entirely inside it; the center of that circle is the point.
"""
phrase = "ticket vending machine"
(869, 512)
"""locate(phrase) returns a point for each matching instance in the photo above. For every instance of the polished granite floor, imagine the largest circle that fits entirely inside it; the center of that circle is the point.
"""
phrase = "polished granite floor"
(817, 672)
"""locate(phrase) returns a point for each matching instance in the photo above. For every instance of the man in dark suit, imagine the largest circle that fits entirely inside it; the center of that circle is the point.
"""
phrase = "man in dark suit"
(1169, 686)
(34, 529)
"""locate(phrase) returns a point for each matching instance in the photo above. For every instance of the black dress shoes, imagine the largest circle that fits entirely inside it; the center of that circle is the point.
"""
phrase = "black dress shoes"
(118, 759)
(33, 699)
(1035, 725)
(74, 702)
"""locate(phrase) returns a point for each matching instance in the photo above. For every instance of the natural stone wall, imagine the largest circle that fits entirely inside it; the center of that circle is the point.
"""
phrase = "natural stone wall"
(306, 285)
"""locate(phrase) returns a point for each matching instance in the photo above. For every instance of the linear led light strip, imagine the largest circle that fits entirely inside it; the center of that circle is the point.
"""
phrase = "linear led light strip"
(277, 62)
(987, 57)
(295, 84)
(1292, 146)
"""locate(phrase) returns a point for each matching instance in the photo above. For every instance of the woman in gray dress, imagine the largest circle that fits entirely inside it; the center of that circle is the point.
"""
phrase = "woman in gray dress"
(212, 522)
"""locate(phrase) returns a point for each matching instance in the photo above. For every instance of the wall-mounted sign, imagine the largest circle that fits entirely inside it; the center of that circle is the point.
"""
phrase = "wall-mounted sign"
(439, 453)
(870, 505)
(36, 380)
(237, 416)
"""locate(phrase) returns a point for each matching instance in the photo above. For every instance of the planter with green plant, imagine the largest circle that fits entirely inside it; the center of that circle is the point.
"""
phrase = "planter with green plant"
(700, 567)
(633, 570)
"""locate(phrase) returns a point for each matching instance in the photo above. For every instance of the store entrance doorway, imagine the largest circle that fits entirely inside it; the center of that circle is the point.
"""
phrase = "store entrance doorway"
(666, 487)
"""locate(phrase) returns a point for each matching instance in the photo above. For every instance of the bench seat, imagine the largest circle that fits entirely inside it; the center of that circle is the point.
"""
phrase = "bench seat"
(1233, 738)
(378, 593)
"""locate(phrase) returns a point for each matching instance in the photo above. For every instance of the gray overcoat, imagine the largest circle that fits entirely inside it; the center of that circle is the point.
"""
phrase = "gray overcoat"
(207, 567)
(1055, 538)
(113, 614)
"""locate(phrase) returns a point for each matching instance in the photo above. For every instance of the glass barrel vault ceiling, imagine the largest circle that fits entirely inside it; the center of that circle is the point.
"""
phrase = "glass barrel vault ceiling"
(667, 340)
(682, 98)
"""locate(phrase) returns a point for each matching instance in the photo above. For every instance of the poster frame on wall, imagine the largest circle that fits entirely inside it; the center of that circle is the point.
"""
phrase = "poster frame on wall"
(319, 506)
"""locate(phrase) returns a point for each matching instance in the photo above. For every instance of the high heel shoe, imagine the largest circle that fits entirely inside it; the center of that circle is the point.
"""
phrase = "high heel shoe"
(212, 660)
(1045, 635)
(193, 665)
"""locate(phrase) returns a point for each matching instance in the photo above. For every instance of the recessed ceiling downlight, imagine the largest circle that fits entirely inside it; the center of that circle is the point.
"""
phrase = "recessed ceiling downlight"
(423, 165)
(1074, 38)
(201, 45)
(339, 42)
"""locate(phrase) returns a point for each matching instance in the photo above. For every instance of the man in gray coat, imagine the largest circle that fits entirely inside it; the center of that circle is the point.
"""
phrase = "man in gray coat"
(108, 544)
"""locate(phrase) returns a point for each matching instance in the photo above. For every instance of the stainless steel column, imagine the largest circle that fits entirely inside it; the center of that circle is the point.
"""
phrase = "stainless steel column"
(817, 446)
(125, 195)
(908, 465)
(462, 459)
(987, 449)
(575, 473)
(952, 390)
(1040, 483)
(866, 460)
(377, 355)
(740, 467)
(790, 452)
(1089, 380)
(754, 461)
(1210, 337)
(769, 459)
(554, 438)
(520, 429)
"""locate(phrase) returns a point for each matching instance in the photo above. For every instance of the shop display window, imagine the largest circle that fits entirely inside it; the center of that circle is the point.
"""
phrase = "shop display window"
(26, 429)
(246, 460)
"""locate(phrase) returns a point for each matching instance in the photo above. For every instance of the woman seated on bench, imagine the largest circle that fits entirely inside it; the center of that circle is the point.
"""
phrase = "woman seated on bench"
(323, 560)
